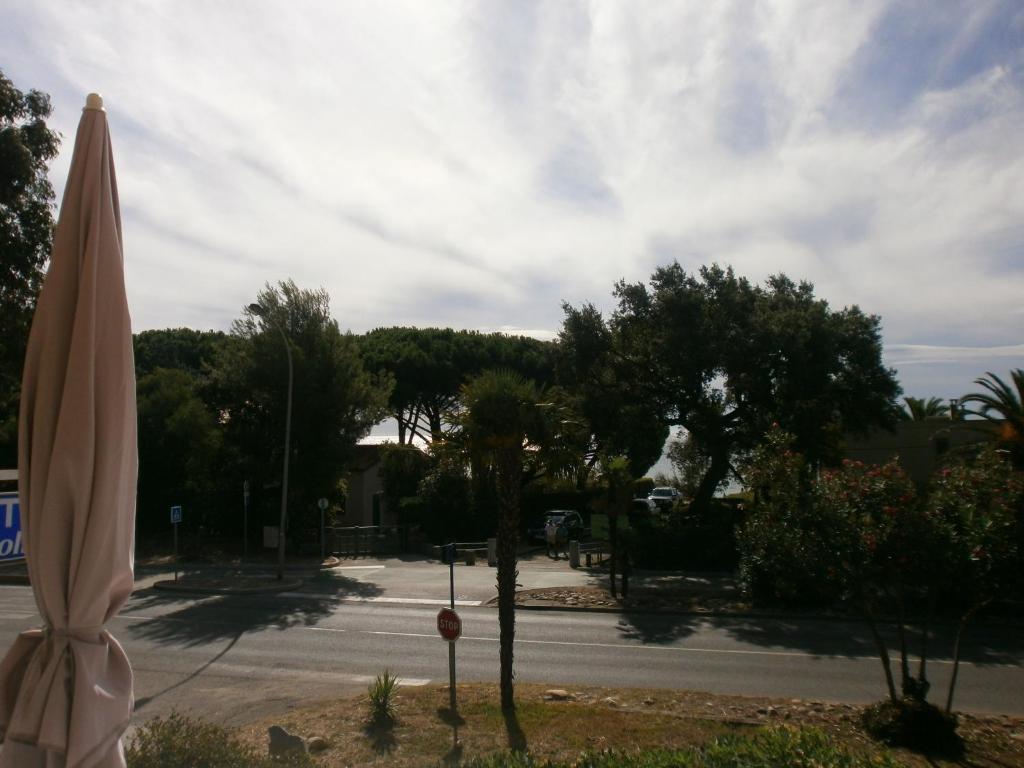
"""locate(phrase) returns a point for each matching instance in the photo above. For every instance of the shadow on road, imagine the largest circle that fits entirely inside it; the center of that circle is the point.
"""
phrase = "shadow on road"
(206, 620)
(656, 627)
(209, 619)
(838, 639)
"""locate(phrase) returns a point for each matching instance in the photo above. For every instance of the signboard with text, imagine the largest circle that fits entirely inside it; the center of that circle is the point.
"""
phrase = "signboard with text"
(449, 625)
(11, 545)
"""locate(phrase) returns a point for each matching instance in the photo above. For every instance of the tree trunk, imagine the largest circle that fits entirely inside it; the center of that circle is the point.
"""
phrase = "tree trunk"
(508, 482)
(401, 426)
(625, 573)
(906, 686)
(883, 652)
(613, 541)
(717, 471)
(956, 651)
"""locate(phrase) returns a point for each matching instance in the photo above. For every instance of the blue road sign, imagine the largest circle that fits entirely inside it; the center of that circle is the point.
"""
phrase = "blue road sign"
(175, 514)
(11, 547)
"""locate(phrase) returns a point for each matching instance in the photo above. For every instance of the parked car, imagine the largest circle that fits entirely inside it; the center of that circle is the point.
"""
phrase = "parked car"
(664, 497)
(570, 519)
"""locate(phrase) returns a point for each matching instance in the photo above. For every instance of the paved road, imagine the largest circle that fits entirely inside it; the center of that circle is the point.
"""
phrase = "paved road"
(232, 658)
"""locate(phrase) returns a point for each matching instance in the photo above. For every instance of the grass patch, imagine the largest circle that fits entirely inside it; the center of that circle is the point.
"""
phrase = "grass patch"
(614, 725)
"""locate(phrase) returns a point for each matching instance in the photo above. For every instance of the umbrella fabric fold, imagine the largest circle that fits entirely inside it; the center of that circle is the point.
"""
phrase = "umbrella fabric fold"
(66, 689)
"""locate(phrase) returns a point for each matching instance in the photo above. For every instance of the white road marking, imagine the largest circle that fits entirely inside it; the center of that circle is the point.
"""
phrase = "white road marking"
(356, 567)
(409, 681)
(409, 600)
(626, 646)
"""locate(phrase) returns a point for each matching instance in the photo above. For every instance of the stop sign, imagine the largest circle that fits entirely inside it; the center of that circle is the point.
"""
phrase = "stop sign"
(449, 625)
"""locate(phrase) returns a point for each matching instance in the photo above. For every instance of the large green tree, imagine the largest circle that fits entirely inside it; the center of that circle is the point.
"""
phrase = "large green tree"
(26, 229)
(429, 365)
(726, 359)
(335, 401)
(620, 419)
(181, 458)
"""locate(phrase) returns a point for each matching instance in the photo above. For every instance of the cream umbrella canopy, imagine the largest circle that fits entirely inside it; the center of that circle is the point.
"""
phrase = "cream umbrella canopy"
(66, 688)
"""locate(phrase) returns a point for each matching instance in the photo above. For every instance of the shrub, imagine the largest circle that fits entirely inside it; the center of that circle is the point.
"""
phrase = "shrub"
(783, 552)
(642, 487)
(178, 741)
(914, 724)
(383, 692)
(690, 541)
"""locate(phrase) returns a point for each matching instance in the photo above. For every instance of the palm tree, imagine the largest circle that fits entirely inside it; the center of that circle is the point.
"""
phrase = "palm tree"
(501, 414)
(1000, 403)
(919, 409)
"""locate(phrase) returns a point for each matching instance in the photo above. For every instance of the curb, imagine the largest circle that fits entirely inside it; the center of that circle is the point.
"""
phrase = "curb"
(169, 585)
(551, 606)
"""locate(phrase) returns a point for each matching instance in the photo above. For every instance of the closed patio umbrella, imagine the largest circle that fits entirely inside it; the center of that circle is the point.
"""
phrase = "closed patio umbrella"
(66, 688)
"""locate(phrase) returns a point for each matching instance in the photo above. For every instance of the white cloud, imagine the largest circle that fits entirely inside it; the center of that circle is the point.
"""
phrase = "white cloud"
(474, 164)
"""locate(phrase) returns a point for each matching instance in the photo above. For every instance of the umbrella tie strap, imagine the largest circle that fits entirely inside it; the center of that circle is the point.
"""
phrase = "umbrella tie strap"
(71, 633)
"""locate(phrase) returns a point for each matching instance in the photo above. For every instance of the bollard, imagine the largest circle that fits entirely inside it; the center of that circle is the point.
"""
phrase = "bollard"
(588, 559)
(574, 554)
(492, 553)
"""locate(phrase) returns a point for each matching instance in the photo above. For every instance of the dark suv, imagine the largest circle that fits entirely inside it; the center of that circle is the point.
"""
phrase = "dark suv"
(570, 519)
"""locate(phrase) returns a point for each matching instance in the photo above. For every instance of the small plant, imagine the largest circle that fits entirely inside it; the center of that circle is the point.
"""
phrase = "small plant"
(383, 692)
(178, 741)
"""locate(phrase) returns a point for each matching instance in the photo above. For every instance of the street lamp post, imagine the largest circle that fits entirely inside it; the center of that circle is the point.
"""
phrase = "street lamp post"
(260, 311)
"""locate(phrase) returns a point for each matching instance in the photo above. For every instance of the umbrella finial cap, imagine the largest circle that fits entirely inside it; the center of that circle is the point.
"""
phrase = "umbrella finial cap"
(94, 101)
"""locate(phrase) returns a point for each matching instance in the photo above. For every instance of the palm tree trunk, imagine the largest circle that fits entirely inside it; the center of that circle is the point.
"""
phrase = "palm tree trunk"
(508, 480)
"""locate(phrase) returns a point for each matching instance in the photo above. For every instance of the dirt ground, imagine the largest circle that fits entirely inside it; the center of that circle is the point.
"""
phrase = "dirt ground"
(560, 724)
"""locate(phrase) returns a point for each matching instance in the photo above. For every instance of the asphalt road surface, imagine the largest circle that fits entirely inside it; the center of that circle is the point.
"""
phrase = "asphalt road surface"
(233, 658)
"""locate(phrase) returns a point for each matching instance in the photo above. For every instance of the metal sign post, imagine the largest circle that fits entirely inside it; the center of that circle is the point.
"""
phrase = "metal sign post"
(322, 503)
(449, 625)
(245, 519)
(175, 519)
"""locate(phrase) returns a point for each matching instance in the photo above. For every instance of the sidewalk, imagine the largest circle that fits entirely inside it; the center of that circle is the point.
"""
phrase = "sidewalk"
(543, 583)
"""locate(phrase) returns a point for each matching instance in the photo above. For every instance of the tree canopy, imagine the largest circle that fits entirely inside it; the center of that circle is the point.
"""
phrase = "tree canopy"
(26, 228)
(726, 359)
(179, 348)
(620, 418)
(335, 400)
(921, 409)
(1003, 402)
(429, 365)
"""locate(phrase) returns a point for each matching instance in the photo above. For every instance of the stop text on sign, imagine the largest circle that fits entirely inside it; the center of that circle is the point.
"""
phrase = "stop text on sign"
(449, 625)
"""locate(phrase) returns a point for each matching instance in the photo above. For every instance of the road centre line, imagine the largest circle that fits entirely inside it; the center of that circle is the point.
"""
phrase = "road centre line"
(620, 646)
(409, 600)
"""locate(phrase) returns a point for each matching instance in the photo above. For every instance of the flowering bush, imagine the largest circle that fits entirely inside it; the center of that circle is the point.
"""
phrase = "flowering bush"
(876, 530)
(978, 506)
(785, 556)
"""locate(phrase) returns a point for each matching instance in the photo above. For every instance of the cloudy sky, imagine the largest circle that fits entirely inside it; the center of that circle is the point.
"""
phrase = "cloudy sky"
(473, 164)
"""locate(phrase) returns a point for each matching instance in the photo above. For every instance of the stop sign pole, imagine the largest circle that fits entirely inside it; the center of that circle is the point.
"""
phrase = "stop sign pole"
(449, 626)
